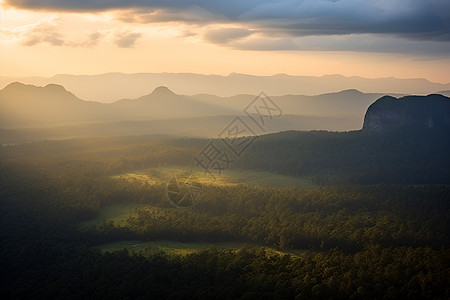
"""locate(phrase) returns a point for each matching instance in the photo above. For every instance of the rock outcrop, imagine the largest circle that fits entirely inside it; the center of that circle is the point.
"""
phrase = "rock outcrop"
(432, 111)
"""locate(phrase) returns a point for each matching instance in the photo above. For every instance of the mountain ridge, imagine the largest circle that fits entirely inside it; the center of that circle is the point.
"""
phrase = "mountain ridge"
(110, 87)
(29, 106)
(164, 102)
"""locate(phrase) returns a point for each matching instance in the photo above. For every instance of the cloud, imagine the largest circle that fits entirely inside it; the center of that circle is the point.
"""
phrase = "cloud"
(266, 44)
(126, 39)
(194, 15)
(94, 38)
(229, 8)
(43, 32)
(392, 26)
(47, 31)
(187, 33)
(354, 42)
(415, 19)
(226, 35)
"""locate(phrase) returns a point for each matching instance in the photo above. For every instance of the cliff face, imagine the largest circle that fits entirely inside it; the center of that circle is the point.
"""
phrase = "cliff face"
(432, 111)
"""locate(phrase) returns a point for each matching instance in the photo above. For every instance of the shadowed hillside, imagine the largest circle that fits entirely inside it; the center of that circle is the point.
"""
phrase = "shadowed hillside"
(27, 105)
(32, 113)
(414, 112)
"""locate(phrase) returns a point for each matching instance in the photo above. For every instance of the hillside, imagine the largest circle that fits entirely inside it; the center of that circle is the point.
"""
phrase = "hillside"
(54, 112)
(413, 112)
(27, 105)
(29, 113)
(163, 103)
(404, 156)
(31, 106)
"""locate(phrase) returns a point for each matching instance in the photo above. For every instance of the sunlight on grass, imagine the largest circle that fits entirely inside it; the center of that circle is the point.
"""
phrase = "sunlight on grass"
(169, 247)
(118, 214)
(183, 248)
(226, 178)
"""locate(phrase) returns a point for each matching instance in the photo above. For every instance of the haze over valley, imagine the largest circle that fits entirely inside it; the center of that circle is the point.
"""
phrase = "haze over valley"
(52, 111)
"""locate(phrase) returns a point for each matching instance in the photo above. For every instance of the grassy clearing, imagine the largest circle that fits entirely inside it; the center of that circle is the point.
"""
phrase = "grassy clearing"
(181, 248)
(118, 214)
(228, 177)
(169, 247)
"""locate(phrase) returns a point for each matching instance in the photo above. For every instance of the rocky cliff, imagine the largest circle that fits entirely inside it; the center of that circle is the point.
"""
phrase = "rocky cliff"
(432, 111)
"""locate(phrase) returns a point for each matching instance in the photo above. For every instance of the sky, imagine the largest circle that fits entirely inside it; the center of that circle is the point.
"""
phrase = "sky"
(368, 38)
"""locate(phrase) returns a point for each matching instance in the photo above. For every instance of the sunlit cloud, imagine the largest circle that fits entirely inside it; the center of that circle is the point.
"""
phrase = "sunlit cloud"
(127, 39)
(187, 33)
(192, 16)
(2, 12)
(43, 33)
(94, 38)
(226, 35)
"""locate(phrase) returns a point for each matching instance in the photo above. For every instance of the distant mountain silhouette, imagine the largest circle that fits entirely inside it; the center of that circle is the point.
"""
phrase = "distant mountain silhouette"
(415, 112)
(344, 104)
(110, 87)
(24, 105)
(163, 111)
(163, 103)
(27, 105)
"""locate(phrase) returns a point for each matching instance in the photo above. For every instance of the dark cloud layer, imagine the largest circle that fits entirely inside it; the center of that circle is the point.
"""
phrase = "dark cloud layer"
(358, 43)
(412, 26)
(417, 19)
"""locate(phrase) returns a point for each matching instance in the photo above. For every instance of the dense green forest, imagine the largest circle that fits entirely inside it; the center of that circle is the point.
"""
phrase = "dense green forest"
(375, 225)
(410, 156)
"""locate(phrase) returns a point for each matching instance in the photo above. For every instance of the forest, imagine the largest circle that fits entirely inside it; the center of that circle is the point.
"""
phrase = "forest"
(374, 223)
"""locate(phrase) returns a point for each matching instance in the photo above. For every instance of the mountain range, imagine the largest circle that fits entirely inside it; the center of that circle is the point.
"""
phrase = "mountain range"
(30, 106)
(29, 112)
(111, 87)
(27, 105)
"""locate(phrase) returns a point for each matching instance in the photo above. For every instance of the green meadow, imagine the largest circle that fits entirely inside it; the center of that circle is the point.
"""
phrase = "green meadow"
(184, 248)
(117, 213)
(225, 178)
(169, 247)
